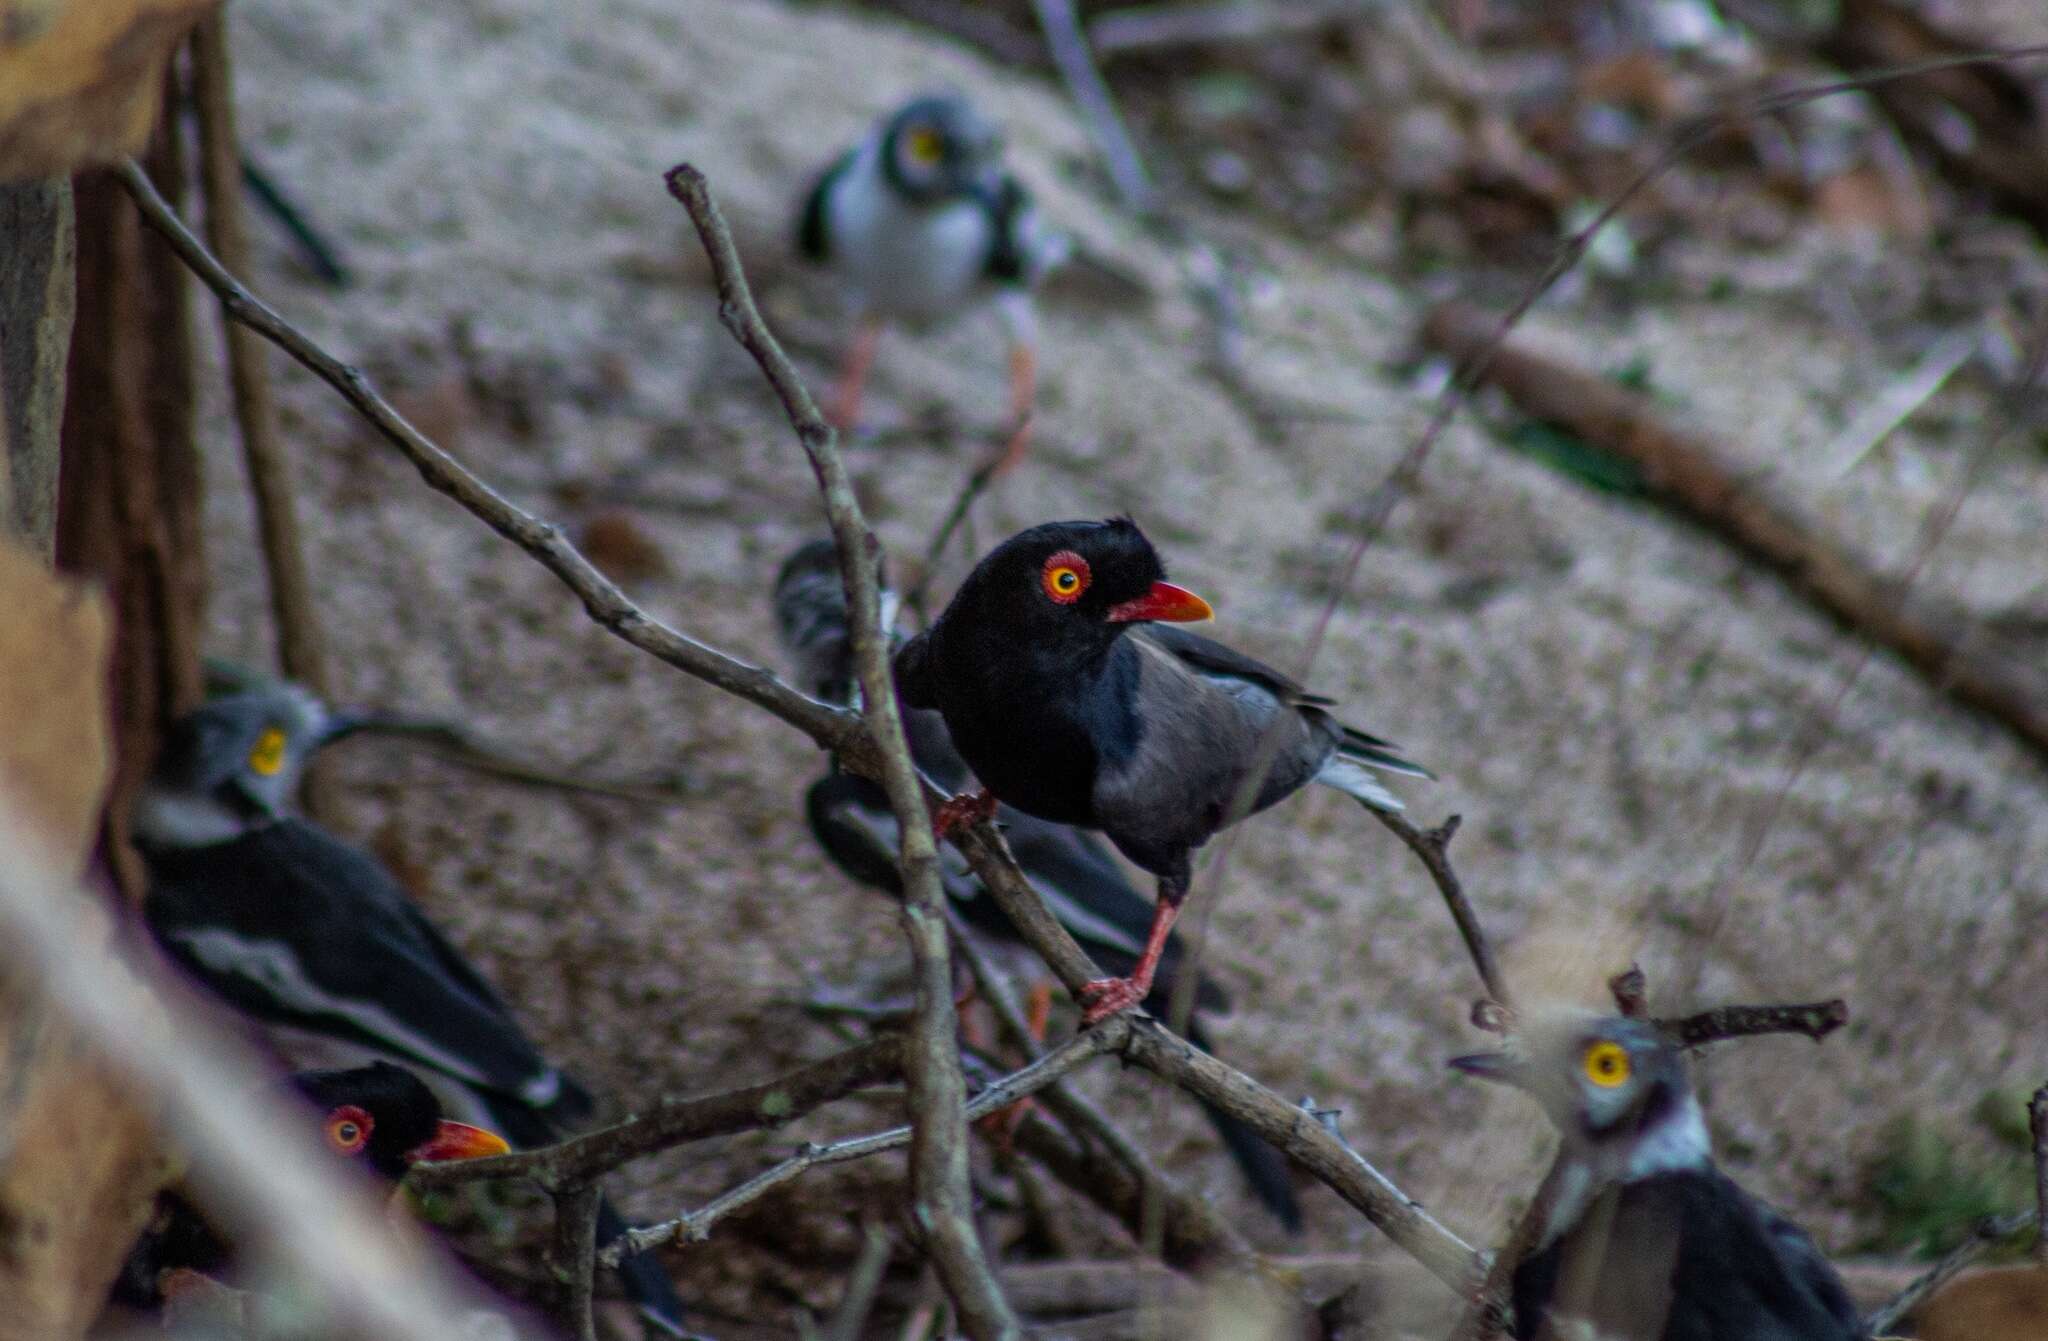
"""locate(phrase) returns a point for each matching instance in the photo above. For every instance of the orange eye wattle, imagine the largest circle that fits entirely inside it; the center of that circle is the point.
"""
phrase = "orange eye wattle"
(348, 1129)
(1064, 577)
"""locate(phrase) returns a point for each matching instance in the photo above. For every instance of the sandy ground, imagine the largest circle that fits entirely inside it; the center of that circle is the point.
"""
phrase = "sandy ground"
(1614, 701)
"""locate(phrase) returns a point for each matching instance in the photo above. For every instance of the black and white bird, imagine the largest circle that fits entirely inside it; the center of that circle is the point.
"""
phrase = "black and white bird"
(1070, 703)
(1646, 1239)
(312, 938)
(920, 221)
(1075, 872)
(380, 1117)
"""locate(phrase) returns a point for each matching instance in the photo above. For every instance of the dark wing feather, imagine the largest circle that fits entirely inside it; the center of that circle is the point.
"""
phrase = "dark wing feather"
(1731, 1276)
(813, 235)
(1217, 660)
(292, 926)
(912, 667)
(1008, 261)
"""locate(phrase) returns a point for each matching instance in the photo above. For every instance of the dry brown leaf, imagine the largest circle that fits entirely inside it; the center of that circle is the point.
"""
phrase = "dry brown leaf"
(81, 80)
(79, 1164)
(54, 750)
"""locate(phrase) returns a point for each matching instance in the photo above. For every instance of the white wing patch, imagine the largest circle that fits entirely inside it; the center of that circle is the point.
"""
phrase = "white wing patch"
(272, 966)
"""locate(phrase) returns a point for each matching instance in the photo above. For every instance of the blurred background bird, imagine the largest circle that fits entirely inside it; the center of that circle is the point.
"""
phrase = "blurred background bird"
(1646, 1240)
(1073, 871)
(920, 222)
(380, 1117)
(1069, 703)
(312, 938)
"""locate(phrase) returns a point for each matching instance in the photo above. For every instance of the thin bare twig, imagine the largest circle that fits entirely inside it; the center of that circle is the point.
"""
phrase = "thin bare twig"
(1988, 1234)
(1195, 1234)
(854, 1305)
(574, 1254)
(299, 644)
(695, 1226)
(1069, 47)
(1815, 1019)
(678, 1121)
(1433, 847)
(1631, 989)
(943, 1196)
(833, 729)
(1151, 27)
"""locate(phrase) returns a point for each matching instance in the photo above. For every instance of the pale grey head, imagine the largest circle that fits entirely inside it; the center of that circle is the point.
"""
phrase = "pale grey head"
(940, 147)
(233, 765)
(1615, 1089)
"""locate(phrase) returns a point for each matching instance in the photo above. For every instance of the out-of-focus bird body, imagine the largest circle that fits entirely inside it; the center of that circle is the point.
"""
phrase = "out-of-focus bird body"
(380, 1117)
(311, 937)
(1646, 1240)
(920, 222)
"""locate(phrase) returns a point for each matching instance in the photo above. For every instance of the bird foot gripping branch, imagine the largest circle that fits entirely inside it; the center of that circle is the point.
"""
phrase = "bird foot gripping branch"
(958, 813)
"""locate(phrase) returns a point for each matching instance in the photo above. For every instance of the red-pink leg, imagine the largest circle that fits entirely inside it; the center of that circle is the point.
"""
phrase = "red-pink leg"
(853, 377)
(1023, 400)
(962, 812)
(1106, 996)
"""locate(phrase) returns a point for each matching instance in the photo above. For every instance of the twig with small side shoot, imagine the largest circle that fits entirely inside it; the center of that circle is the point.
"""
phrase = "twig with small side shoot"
(1433, 848)
(695, 1226)
(943, 1197)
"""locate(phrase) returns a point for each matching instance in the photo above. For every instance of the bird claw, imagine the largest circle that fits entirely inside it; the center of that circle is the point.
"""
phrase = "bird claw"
(1105, 997)
(962, 812)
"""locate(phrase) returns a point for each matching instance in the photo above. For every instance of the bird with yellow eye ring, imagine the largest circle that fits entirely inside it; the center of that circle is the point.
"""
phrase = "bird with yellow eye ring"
(920, 223)
(1644, 1238)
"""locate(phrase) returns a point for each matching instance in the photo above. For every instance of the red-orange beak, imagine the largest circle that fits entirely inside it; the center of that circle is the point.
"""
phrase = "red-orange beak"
(458, 1140)
(1166, 604)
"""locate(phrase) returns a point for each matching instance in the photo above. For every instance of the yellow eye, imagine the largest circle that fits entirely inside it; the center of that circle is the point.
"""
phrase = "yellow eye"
(267, 757)
(1607, 1064)
(927, 147)
(1066, 581)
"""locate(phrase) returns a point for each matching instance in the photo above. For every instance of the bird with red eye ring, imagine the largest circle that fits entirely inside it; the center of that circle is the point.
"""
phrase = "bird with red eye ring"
(382, 1117)
(1065, 577)
(1100, 714)
(348, 1129)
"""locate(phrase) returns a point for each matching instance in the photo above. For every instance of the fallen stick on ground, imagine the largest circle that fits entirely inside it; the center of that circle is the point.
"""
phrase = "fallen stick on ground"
(1699, 478)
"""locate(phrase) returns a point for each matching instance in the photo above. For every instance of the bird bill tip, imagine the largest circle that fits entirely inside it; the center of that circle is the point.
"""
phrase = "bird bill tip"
(1495, 1066)
(1165, 603)
(459, 1140)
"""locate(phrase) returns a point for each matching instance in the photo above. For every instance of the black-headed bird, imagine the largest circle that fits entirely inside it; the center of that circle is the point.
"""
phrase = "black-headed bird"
(1075, 872)
(380, 1117)
(1646, 1240)
(1070, 702)
(311, 937)
(919, 222)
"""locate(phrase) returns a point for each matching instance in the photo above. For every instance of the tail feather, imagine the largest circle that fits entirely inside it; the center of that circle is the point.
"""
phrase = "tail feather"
(1384, 754)
(1354, 778)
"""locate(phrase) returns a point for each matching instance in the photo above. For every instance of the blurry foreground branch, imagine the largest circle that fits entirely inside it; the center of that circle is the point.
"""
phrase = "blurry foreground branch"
(296, 1197)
